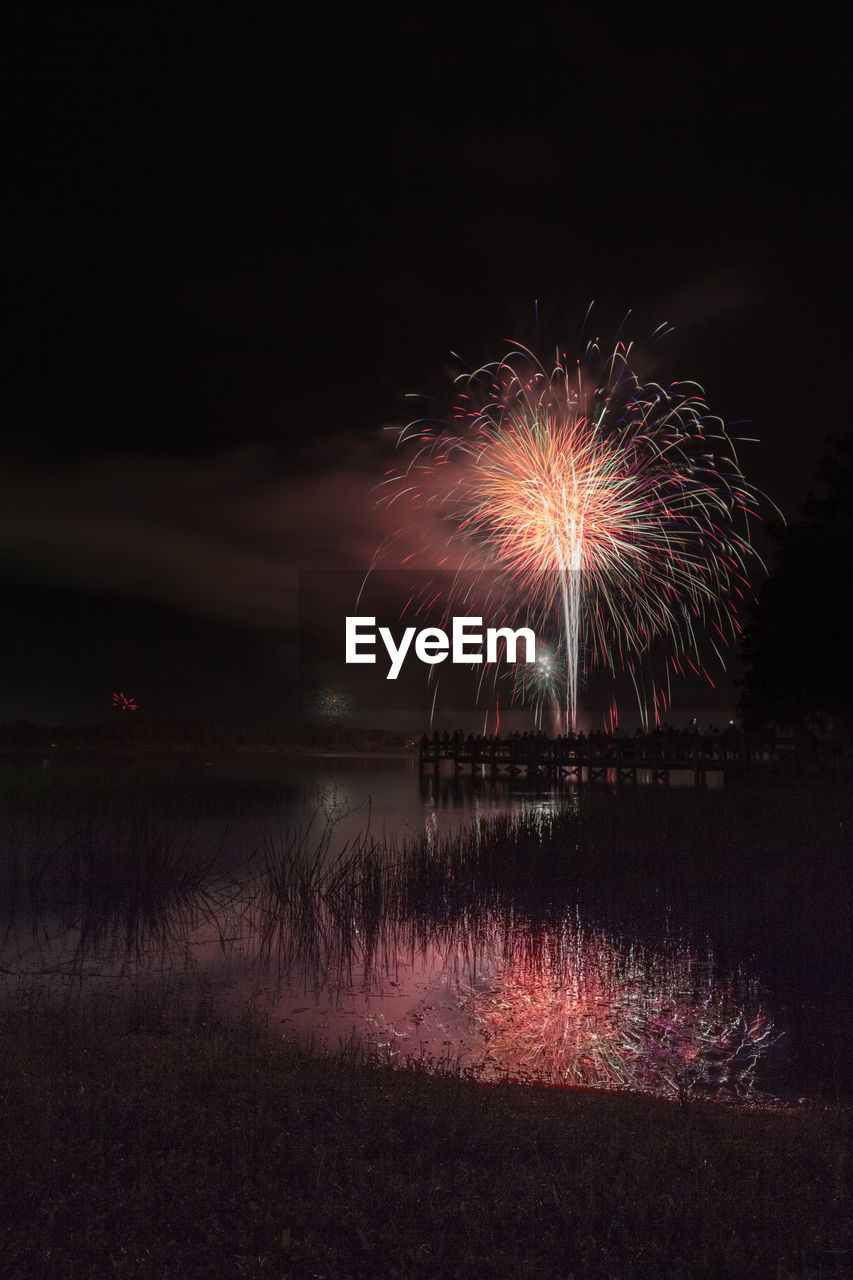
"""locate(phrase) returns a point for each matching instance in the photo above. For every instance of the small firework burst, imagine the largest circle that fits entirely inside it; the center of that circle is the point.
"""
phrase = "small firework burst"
(540, 684)
(333, 705)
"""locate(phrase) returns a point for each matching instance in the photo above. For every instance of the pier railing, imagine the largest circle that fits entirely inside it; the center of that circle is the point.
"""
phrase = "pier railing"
(613, 757)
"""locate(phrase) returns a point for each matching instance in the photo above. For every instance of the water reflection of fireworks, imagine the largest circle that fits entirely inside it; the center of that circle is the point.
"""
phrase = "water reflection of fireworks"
(589, 1015)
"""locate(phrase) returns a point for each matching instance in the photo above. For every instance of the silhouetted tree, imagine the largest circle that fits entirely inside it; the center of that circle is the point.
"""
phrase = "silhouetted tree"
(796, 649)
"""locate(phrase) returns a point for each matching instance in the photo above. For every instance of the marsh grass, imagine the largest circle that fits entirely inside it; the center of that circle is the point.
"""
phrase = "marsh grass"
(117, 887)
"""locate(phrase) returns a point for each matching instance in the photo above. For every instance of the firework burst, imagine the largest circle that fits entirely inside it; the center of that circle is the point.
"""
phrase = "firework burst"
(613, 511)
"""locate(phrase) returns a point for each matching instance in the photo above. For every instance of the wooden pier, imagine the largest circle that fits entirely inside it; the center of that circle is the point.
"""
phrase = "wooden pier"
(614, 758)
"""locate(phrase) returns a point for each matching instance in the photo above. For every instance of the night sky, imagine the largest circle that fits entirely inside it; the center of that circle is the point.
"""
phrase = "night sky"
(232, 251)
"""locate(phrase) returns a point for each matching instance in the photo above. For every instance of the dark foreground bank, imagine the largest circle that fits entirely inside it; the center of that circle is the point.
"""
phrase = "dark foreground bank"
(206, 1154)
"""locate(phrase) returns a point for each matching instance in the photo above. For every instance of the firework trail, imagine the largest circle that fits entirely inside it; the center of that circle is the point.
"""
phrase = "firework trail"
(606, 505)
(124, 703)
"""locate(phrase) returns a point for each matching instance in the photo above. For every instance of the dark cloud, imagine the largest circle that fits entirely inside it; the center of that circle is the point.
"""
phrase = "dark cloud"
(224, 537)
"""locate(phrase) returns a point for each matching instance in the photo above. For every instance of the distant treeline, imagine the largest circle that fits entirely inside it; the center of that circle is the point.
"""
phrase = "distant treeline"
(134, 731)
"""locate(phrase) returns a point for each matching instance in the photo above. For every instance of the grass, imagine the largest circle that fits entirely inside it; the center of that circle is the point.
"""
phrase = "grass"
(205, 1153)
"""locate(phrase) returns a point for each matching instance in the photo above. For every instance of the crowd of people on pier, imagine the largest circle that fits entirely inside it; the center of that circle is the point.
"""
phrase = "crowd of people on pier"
(664, 743)
(663, 740)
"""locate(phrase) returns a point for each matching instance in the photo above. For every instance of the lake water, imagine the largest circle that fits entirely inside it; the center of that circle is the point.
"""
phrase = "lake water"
(661, 939)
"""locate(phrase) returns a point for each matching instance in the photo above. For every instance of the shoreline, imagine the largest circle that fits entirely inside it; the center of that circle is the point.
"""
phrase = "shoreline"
(203, 1153)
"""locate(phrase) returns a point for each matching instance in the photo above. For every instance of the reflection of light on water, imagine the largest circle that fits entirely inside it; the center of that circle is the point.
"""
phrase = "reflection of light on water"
(571, 1007)
(487, 993)
(431, 828)
(332, 800)
(493, 994)
(421, 955)
(445, 794)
